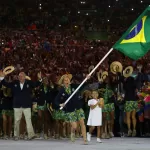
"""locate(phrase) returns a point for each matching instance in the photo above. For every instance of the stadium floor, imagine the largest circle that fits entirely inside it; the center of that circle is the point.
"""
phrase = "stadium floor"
(111, 144)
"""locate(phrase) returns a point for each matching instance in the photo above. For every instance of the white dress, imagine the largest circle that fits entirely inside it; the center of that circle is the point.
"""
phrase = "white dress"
(95, 115)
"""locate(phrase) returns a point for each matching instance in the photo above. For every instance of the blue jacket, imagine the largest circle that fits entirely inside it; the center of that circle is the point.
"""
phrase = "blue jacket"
(73, 104)
(21, 98)
(41, 96)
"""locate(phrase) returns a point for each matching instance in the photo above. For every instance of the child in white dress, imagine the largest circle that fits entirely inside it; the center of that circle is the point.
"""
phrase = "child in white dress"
(95, 115)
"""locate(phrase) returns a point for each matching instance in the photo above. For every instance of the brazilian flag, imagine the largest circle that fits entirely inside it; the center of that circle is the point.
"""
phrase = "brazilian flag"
(135, 42)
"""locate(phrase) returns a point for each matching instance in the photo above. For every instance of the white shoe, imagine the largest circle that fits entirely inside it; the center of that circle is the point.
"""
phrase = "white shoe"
(88, 137)
(99, 140)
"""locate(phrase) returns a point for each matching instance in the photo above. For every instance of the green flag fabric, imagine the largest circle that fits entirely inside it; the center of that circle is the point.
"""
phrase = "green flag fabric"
(135, 42)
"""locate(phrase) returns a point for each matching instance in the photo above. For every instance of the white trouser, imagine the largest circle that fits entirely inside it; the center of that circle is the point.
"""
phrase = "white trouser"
(17, 117)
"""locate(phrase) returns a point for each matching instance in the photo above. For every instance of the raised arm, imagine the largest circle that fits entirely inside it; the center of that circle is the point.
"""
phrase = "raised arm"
(3, 82)
(38, 83)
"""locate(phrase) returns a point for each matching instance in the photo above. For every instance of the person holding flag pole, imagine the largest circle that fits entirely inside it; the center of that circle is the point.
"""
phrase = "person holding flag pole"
(72, 111)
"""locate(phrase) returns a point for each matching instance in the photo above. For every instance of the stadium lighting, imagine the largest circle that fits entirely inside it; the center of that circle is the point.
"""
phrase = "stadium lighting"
(78, 12)
(109, 6)
(132, 9)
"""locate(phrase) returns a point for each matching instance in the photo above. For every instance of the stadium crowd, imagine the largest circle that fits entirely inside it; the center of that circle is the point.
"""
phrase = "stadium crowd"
(55, 43)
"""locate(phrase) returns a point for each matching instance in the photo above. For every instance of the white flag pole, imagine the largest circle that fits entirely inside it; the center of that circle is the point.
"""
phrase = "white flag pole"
(87, 78)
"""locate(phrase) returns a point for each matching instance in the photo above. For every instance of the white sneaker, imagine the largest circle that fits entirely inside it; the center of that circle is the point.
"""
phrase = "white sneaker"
(88, 137)
(99, 140)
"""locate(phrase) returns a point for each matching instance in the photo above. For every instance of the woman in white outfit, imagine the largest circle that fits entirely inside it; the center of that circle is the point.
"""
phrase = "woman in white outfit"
(95, 115)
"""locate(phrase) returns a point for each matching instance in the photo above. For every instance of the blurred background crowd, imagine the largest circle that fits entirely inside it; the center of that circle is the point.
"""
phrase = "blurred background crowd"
(63, 36)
